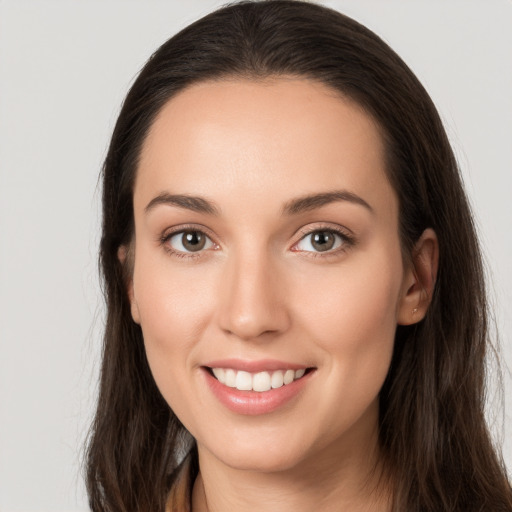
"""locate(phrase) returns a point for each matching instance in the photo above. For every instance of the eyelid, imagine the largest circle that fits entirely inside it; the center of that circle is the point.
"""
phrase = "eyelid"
(168, 233)
(324, 226)
(347, 236)
(172, 230)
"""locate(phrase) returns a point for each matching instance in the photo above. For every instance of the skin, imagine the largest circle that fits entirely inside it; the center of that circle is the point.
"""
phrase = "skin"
(261, 290)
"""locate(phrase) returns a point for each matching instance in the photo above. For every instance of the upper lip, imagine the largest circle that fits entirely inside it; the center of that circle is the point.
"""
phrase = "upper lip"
(259, 365)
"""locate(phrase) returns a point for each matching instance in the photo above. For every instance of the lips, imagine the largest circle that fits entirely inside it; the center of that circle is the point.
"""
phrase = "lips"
(256, 387)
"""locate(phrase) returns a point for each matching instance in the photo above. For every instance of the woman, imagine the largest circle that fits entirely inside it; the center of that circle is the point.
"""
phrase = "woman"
(296, 309)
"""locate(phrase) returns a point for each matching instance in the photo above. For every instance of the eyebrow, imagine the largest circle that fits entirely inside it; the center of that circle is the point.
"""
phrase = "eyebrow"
(196, 204)
(293, 207)
(314, 201)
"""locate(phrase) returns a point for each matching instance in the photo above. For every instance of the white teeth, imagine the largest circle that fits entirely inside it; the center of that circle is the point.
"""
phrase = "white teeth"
(277, 379)
(220, 374)
(289, 376)
(261, 381)
(230, 378)
(243, 381)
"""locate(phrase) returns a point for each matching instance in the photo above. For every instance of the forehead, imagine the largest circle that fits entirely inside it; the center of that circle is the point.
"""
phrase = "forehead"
(289, 135)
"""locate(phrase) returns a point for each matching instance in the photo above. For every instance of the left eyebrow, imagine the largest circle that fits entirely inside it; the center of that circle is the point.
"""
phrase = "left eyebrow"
(314, 201)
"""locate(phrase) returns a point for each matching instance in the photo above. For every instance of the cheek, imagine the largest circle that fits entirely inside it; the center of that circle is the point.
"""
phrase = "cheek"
(174, 308)
(354, 299)
(351, 315)
(171, 301)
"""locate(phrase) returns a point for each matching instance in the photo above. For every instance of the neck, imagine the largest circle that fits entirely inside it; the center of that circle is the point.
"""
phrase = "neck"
(331, 480)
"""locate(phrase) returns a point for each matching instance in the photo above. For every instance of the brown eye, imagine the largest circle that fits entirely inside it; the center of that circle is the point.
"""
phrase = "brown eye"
(321, 240)
(193, 240)
(189, 241)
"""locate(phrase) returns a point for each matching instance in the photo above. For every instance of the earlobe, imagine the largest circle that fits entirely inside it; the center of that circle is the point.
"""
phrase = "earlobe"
(125, 259)
(419, 279)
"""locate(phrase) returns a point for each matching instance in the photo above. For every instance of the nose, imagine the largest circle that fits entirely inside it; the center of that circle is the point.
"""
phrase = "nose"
(252, 298)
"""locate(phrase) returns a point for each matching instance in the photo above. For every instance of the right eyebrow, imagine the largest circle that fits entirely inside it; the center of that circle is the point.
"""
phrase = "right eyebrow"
(194, 203)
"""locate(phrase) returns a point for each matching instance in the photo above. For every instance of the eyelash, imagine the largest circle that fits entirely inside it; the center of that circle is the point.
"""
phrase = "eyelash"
(166, 237)
(347, 241)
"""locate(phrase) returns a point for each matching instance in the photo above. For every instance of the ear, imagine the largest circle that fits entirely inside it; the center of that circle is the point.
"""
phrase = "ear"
(419, 279)
(124, 255)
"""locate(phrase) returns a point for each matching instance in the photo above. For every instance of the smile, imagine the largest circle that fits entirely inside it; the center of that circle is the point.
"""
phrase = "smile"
(259, 382)
(256, 387)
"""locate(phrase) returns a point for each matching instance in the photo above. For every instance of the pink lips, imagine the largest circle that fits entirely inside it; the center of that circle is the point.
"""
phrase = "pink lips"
(254, 402)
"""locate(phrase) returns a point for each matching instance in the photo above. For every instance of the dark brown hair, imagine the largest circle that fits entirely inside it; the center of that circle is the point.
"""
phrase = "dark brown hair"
(433, 433)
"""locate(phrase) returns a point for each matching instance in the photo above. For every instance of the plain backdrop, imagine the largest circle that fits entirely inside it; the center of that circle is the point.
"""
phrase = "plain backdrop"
(64, 69)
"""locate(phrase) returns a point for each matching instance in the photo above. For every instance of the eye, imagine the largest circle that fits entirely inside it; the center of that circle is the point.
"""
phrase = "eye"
(188, 241)
(321, 240)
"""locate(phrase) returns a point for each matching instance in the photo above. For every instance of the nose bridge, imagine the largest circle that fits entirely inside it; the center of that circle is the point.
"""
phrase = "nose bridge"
(252, 300)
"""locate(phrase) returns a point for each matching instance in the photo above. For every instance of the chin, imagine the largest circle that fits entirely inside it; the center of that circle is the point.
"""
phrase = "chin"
(260, 455)
(263, 462)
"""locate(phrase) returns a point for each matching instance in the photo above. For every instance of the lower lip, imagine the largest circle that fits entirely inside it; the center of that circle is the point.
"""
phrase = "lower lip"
(253, 402)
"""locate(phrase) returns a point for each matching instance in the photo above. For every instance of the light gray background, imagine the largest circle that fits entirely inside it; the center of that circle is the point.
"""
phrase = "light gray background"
(64, 69)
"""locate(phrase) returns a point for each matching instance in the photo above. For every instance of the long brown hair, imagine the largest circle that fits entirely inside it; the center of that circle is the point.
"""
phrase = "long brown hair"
(433, 433)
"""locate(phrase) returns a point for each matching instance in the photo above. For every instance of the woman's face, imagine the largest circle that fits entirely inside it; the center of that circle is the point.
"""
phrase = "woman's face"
(266, 251)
